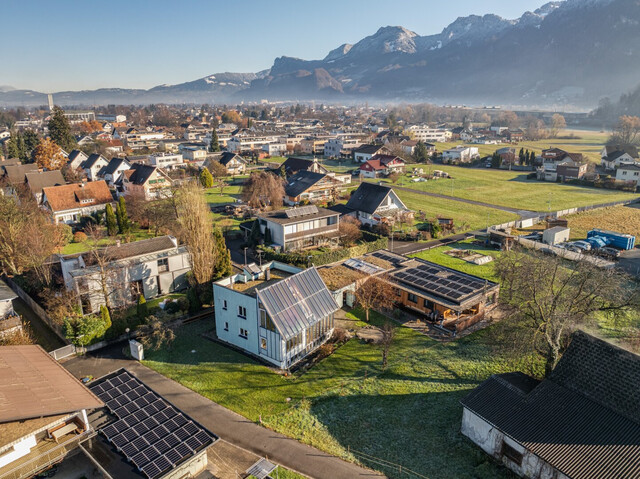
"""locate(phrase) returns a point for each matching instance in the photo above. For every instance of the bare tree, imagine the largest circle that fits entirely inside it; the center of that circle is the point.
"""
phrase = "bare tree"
(549, 299)
(155, 334)
(374, 293)
(557, 123)
(195, 229)
(388, 333)
(626, 131)
(263, 189)
(103, 258)
(350, 232)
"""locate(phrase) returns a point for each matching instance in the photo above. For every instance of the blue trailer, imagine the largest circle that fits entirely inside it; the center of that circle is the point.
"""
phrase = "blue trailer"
(617, 240)
(598, 242)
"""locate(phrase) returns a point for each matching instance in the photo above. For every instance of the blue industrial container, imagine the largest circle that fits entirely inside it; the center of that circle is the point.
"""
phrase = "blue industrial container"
(617, 240)
(598, 242)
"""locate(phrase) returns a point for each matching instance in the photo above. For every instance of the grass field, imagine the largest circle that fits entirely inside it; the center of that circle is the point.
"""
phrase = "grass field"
(587, 142)
(623, 219)
(438, 256)
(230, 194)
(512, 189)
(409, 414)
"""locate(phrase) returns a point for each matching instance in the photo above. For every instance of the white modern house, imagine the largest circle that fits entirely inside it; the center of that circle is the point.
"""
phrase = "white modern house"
(149, 267)
(276, 312)
(168, 161)
(461, 154)
(426, 133)
(628, 172)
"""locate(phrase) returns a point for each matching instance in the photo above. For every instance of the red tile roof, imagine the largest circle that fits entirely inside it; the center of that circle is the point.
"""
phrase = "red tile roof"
(77, 195)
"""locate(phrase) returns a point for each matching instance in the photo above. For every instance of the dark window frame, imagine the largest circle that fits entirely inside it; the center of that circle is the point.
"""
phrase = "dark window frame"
(511, 453)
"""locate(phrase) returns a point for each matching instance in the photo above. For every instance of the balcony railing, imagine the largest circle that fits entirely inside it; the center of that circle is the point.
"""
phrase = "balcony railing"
(43, 455)
(312, 232)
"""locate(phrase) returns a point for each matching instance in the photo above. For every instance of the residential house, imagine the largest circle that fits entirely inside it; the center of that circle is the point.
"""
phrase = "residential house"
(382, 165)
(310, 186)
(167, 161)
(508, 156)
(429, 134)
(43, 417)
(514, 135)
(93, 165)
(460, 154)
(571, 171)
(145, 181)
(628, 172)
(341, 147)
(68, 203)
(76, 159)
(313, 145)
(560, 165)
(276, 312)
(616, 158)
(14, 176)
(37, 180)
(235, 164)
(275, 149)
(372, 204)
(114, 170)
(150, 267)
(303, 227)
(193, 153)
(366, 152)
(294, 164)
(581, 422)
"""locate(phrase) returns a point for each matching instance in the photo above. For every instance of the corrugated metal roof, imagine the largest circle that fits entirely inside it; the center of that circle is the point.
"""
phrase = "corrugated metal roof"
(579, 431)
(297, 302)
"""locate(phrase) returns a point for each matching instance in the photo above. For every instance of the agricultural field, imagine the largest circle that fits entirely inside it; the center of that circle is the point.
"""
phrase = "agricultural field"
(623, 219)
(587, 142)
(346, 403)
(512, 189)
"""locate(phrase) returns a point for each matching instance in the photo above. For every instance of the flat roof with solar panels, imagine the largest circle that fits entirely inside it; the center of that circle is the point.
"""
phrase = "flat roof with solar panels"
(443, 285)
(152, 434)
(297, 214)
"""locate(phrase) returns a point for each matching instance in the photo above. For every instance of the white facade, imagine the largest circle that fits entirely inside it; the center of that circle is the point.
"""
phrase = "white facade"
(628, 173)
(426, 133)
(462, 154)
(334, 147)
(556, 235)
(275, 149)
(167, 161)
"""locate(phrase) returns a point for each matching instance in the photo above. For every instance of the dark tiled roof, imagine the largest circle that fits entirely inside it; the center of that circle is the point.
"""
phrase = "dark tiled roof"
(137, 248)
(141, 173)
(92, 160)
(113, 165)
(583, 419)
(630, 149)
(297, 302)
(368, 149)
(281, 217)
(301, 182)
(227, 156)
(293, 165)
(42, 179)
(368, 197)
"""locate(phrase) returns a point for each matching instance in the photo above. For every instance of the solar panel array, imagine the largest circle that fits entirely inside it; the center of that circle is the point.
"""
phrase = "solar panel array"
(150, 432)
(390, 257)
(362, 266)
(444, 282)
(301, 211)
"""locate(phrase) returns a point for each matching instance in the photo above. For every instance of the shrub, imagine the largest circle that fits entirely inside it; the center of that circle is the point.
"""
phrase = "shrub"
(171, 307)
(105, 316)
(79, 237)
(194, 301)
(66, 233)
(85, 330)
(142, 309)
(183, 304)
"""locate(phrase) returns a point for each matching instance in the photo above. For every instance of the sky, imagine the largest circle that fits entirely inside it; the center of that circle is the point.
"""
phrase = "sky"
(74, 45)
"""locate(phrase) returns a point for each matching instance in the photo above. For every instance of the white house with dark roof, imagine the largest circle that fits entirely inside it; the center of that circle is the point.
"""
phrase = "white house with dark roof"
(276, 312)
(93, 165)
(114, 170)
(372, 204)
(628, 172)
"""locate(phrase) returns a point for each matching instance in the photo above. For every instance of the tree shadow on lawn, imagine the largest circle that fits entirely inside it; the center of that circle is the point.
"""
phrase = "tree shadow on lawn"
(419, 431)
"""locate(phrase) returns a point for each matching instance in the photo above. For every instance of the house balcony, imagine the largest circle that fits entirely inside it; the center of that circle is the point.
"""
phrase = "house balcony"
(44, 454)
(322, 231)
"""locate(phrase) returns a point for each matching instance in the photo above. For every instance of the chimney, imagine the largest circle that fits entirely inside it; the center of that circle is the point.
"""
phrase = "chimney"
(267, 274)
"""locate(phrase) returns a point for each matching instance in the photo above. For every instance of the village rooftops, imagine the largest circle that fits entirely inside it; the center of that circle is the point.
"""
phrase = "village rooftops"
(296, 215)
(77, 195)
(583, 419)
(33, 385)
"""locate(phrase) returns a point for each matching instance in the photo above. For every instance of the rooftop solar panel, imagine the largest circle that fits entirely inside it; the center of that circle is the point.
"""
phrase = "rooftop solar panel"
(149, 432)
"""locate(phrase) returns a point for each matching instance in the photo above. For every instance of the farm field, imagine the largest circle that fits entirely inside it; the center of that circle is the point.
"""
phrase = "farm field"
(475, 217)
(347, 401)
(512, 189)
(623, 219)
(587, 142)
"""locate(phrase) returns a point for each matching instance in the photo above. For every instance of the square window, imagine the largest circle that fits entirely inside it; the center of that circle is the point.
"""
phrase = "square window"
(163, 265)
(511, 453)
(242, 312)
(413, 298)
(244, 333)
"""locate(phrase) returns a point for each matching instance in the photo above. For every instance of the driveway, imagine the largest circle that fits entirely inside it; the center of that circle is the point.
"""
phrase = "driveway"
(223, 422)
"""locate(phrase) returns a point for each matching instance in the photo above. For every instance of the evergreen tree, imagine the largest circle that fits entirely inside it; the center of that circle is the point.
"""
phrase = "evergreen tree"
(105, 316)
(223, 255)
(214, 146)
(22, 149)
(283, 172)
(532, 158)
(31, 140)
(60, 130)
(495, 160)
(206, 178)
(111, 221)
(267, 236)
(124, 225)
(255, 235)
(521, 155)
(194, 301)
(420, 153)
(13, 151)
(142, 309)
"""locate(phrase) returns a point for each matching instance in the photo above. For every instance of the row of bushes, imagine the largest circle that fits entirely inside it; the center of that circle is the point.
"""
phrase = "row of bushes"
(371, 242)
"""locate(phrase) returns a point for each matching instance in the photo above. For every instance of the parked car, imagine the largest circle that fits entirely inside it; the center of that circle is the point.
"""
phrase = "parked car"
(608, 252)
(583, 245)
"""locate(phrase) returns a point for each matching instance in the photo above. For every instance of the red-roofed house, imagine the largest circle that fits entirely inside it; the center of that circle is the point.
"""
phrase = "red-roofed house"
(382, 165)
(68, 203)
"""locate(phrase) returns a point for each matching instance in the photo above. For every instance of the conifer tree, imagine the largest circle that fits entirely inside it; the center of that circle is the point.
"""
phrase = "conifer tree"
(223, 255)
(142, 309)
(124, 225)
(111, 221)
(206, 178)
(214, 146)
(60, 130)
(105, 316)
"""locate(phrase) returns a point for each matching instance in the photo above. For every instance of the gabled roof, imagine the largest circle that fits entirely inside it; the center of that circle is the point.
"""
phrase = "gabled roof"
(139, 174)
(92, 160)
(75, 153)
(17, 173)
(614, 155)
(297, 302)
(77, 195)
(369, 149)
(386, 159)
(36, 180)
(584, 419)
(629, 167)
(630, 149)
(294, 165)
(113, 166)
(368, 197)
(301, 182)
(33, 384)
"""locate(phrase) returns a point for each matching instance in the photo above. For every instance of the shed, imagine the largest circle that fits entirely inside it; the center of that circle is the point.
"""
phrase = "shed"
(555, 235)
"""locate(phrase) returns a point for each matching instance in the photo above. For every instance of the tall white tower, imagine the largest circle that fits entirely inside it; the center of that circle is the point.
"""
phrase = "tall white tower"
(50, 96)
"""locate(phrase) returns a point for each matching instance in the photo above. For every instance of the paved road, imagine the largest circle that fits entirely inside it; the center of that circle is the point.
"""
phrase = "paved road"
(228, 425)
(524, 214)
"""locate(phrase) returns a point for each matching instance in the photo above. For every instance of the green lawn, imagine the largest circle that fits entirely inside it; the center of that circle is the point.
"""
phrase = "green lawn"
(409, 414)
(230, 194)
(438, 256)
(512, 189)
(587, 142)
(476, 217)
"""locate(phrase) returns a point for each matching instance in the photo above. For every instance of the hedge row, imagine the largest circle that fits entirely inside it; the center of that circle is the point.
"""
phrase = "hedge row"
(372, 243)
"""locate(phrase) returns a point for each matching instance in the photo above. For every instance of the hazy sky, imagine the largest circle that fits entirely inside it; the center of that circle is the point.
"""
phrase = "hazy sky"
(71, 45)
